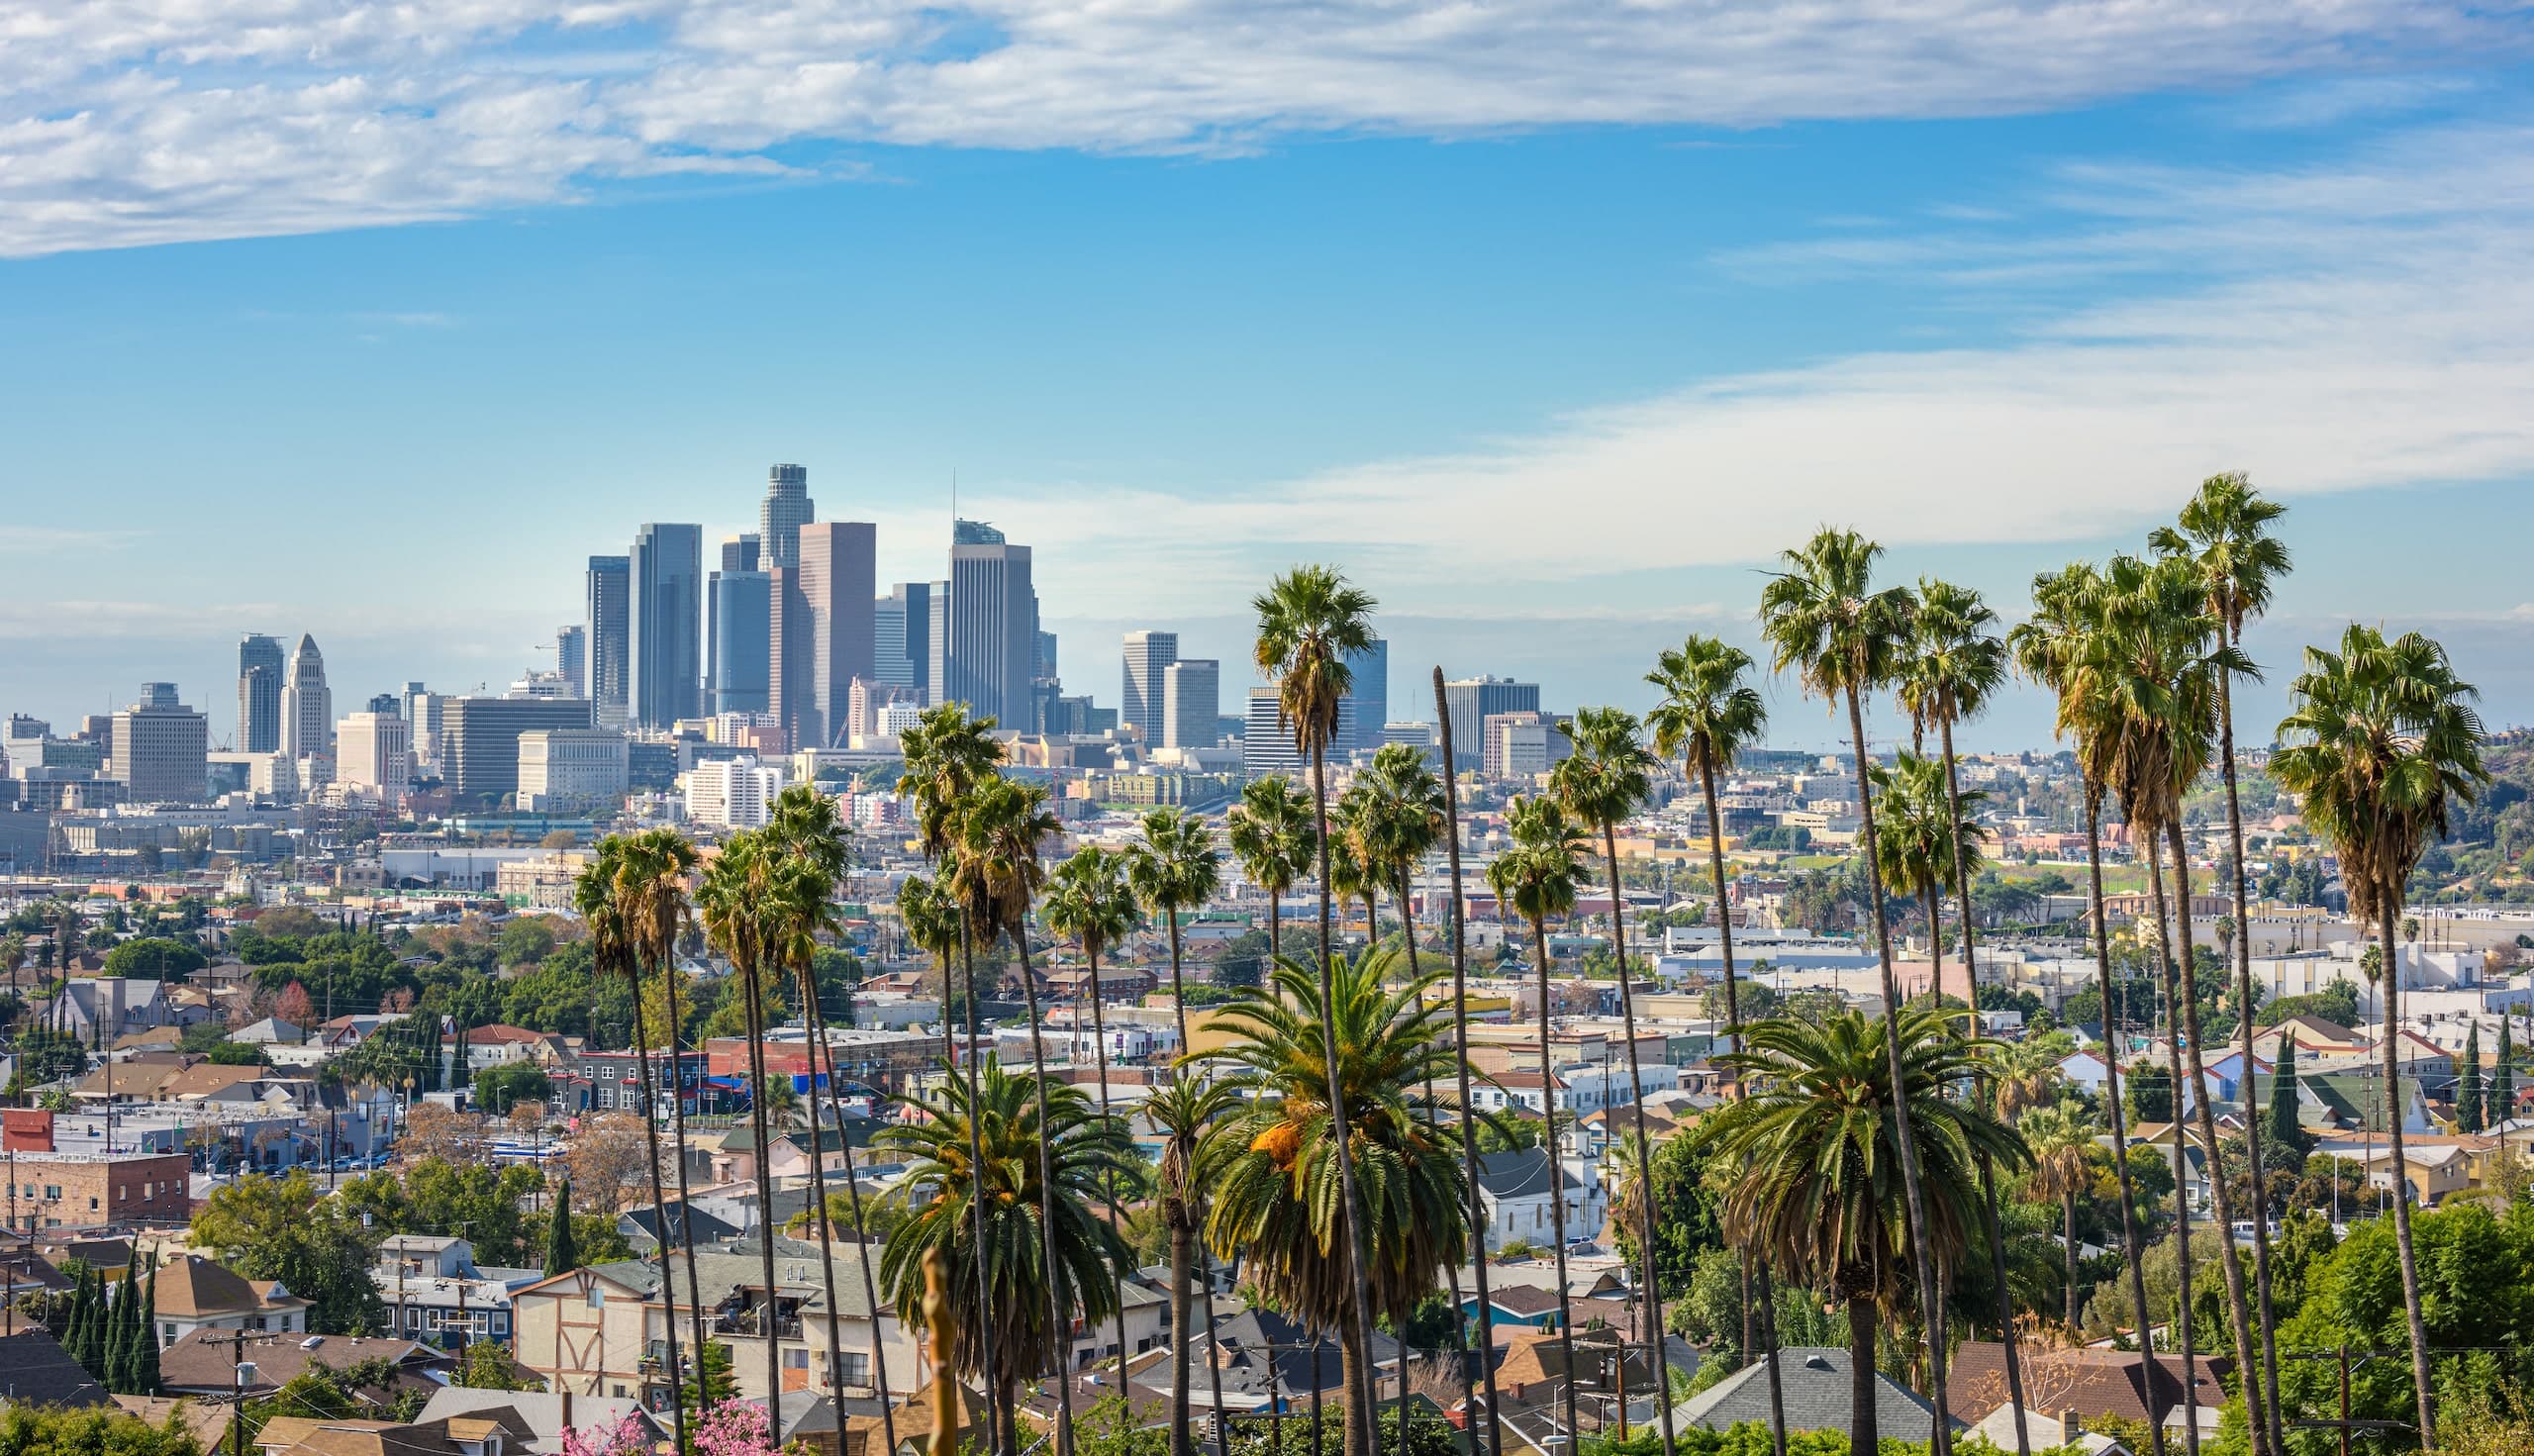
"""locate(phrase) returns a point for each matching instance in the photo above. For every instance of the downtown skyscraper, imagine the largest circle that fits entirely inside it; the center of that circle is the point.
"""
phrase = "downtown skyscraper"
(822, 630)
(664, 651)
(611, 597)
(307, 705)
(1139, 688)
(786, 508)
(738, 624)
(260, 675)
(993, 637)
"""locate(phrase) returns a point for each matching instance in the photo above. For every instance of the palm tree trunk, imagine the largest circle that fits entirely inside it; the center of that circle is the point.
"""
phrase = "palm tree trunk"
(809, 1022)
(2238, 1309)
(2068, 1243)
(1988, 1174)
(976, 1201)
(1214, 1367)
(1183, 1440)
(1275, 930)
(2243, 948)
(1100, 1060)
(660, 1223)
(861, 1243)
(1469, 1122)
(1460, 1327)
(1557, 1179)
(2131, 1244)
(1755, 1272)
(2172, 992)
(767, 1324)
(1363, 1434)
(2402, 1176)
(666, 969)
(1942, 1441)
(1059, 1288)
(1644, 1145)
(1863, 1430)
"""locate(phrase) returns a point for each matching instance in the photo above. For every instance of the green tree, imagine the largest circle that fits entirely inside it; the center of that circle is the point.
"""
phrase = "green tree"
(2061, 1139)
(285, 1228)
(1184, 1110)
(2501, 1099)
(155, 958)
(563, 1249)
(1089, 900)
(2151, 1093)
(2287, 1129)
(1278, 1201)
(64, 1431)
(499, 1089)
(943, 1191)
(1272, 836)
(2468, 1082)
(1311, 622)
(525, 941)
(486, 1365)
(1816, 1141)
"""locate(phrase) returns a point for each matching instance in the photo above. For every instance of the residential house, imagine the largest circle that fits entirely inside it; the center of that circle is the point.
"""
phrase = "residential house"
(1817, 1396)
(1515, 1189)
(204, 1363)
(545, 1417)
(195, 1293)
(2093, 1382)
(42, 1373)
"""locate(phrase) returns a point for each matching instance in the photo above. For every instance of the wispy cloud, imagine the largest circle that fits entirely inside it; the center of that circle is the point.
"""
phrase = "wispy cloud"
(16, 540)
(124, 125)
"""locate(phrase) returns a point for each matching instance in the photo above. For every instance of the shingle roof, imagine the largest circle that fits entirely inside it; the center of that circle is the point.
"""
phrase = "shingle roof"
(195, 1287)
(42, 1373)
(2090, 1382)
(1815, 1384)
(1523, 1174)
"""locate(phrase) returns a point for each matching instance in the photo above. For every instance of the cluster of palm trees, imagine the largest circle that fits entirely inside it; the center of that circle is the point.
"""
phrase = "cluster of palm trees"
(1329, 1141)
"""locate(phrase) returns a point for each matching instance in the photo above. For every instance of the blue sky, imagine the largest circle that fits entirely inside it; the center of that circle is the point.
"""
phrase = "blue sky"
(1549, 323)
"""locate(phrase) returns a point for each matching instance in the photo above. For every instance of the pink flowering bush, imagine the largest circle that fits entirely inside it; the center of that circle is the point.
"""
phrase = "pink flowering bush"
(734, 1428)
(625, 1439)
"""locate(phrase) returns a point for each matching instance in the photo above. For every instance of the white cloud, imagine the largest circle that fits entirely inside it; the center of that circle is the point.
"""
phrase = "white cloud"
(128, 122)
(2371, 324)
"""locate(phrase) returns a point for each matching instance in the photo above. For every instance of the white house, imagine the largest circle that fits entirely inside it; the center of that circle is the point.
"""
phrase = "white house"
(1515, 1193)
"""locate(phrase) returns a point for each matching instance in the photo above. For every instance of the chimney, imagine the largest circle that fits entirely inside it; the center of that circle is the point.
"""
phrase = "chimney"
(2069, 1426)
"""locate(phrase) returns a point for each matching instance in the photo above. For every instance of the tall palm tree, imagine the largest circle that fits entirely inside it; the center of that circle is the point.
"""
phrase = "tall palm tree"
(1460, 1071)
(1172, 867)
(1709, 714)
(1185, 1110)
(1825, 618)
(948, 754)
(2380, 738)
(1817, 1142)
(2062, 1139)
(947, 1184)
(1605, 775)
(2156, 665)
(2049, 647)
(1311, 621)
(1272, 837)
(738, 903)
(817, 848)
(931, 919)
(1088, 899)
(998, 876)
(601, 906)
(1278, 1201)
(652, 876)
(1955, 664)
(1537, 878)
(2224, 532)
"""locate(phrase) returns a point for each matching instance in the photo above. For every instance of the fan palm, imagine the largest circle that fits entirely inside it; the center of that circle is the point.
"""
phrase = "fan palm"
(2048, 648)
(2154, 666)
(1310, 621)
(1272, 837)
(1537, 878)
(1184, 1112)
(2062, 1139)
(1605, 775)
(738, 902)
(2224, 532)
(1088, 899)
(930, 919)
(1823, 618)
(949, 755)
(1278, 1201)
(601, 906)
(1817, 1144)
(653, 875)
(2381, 737)
(1049, 1154)
(816, 849)
(999, 874)
(1173, 867)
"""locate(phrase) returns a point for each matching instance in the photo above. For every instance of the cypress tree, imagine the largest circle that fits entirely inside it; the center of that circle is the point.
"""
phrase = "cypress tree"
(78, 1314)
(2467, 1082)
(91, 1353)
(562, 1252)
(457, 1060)
(2502, 1096)
(2286, 1129)
(144, 1369)
(117, 1354)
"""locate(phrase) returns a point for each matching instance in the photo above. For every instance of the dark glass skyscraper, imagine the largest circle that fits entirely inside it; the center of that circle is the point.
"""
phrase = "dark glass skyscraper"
(610, 598)
(993, 634)
(260, 674)
(665, 656)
